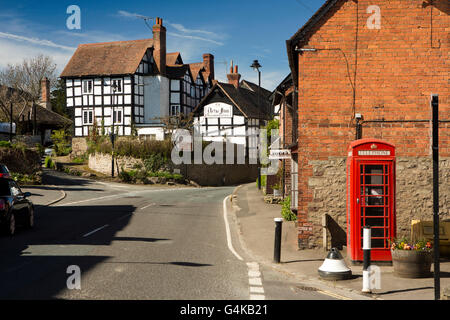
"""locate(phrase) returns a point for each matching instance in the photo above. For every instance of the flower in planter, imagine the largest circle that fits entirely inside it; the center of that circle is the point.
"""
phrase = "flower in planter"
(407, 244)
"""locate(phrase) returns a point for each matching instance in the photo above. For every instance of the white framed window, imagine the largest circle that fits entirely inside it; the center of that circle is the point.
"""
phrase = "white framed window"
(148, 137)
(117, 116)
(88, 117)
(118, 84)
(175, 110)
(88, 87)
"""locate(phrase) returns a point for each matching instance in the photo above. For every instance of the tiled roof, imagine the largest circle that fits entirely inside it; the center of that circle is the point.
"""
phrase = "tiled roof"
(243, 98)
(177, 71)
(108, 58)
(43, 115)
(254, 87)
(171, 58)
(195, 69)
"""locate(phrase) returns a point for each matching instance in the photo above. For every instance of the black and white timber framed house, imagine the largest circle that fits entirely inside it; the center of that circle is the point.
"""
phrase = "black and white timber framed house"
(151, 85)
(232, 112)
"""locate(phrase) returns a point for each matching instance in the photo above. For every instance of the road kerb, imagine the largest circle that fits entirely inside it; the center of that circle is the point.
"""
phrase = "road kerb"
(63, 195)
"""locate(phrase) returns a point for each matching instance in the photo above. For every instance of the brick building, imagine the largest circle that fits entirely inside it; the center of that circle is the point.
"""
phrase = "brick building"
(380, 59)
(283, 100)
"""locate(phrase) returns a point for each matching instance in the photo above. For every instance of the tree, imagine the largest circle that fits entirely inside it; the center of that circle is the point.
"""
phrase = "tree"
(58, 98)
(27, 75)
(21, 85)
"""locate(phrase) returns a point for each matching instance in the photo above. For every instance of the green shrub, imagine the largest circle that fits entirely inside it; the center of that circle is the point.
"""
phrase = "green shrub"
(40, 148)
(130, 147)
(25, 179)
(48, 162)
(79, 160)
(5, 144)
(286, 211)
(154, 162)
(60, 139)
(263, 180)
(126, 176)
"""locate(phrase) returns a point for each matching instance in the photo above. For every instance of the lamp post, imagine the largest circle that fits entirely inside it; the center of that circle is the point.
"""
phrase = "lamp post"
(256, 66)
(112, 134)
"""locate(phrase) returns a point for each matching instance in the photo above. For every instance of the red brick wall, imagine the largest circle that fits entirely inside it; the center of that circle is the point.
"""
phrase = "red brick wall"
(393, 70)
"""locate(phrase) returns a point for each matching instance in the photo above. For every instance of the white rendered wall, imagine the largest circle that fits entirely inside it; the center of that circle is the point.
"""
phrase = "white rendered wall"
(156, 98)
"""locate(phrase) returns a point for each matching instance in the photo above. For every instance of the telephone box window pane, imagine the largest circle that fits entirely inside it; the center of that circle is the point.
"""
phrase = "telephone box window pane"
(375, 222)
(374, 169)
(375, 201)
(374, 211)
(378, 243)
(371, 180)
(378, 232)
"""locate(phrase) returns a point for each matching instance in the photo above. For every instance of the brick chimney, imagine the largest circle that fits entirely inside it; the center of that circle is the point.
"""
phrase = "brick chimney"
(234, 76)
(159, 45)
(208, 63)
(45, 93)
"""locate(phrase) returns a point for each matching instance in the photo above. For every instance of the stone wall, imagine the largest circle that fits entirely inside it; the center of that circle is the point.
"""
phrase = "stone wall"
(413, 193)
(219, 174)
(102, 163)
(202, 174)
(79, 146)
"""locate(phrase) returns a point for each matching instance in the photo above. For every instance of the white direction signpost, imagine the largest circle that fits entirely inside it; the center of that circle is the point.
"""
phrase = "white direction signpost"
(280, 154)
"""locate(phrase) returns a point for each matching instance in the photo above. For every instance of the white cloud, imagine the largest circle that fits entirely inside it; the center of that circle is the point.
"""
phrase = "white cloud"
(40, 42)
(127, 14)
(184, 32)
(191, 37)
(14, 52)
(181, 28)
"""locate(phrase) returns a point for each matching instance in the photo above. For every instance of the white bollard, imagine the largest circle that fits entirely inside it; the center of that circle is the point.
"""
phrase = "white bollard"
(367, 246)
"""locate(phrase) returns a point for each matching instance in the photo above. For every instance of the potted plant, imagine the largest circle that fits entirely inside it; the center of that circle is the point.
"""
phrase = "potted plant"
(276, 190)
(411, 259)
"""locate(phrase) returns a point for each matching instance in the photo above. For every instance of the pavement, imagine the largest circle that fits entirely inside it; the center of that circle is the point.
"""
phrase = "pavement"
(255, 220)
(45, 195)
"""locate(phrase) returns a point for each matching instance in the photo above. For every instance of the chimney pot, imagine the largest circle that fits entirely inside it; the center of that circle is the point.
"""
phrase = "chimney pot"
(234, 77)
(159, 46)
(45, 93)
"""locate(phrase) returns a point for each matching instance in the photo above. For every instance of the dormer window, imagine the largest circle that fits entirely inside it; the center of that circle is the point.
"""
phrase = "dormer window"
(88, 87)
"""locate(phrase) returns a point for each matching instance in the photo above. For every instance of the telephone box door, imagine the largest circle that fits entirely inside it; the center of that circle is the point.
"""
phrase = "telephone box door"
(375, 206)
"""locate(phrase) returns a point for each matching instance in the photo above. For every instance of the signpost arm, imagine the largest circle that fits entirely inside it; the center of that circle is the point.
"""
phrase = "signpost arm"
(435, 116)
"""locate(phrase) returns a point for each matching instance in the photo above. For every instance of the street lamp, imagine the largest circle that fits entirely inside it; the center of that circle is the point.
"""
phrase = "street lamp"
(112, 134)
(255, 66)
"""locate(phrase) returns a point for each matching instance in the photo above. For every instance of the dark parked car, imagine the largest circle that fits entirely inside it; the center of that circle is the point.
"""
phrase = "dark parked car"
(4, 172)
(15, 208)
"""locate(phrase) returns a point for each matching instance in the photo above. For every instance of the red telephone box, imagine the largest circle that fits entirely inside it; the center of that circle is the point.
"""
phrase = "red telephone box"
(370, 197)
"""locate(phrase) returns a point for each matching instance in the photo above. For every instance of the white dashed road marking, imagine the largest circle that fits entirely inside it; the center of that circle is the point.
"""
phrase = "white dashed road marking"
(256, 288)
(255, 282)
(94, 231)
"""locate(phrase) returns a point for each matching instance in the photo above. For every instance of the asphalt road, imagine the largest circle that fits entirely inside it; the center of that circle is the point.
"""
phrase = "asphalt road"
(134, 242)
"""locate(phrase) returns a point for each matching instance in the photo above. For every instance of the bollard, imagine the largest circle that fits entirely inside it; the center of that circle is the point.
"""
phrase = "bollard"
(277, 246)
(367, 246)
(259, 178)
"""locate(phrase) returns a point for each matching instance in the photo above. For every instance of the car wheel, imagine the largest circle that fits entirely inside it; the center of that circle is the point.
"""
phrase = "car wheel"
(10, 226)
(30, 220)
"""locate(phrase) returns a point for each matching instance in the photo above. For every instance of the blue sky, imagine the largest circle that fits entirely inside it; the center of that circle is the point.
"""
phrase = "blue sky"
(231, 30)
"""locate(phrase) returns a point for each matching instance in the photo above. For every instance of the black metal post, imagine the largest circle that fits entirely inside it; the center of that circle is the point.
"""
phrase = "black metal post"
(435, 116)
(259, 167)
(259, 178)
(112, 131)
(10, 121)
(277, 246)
(367, 247)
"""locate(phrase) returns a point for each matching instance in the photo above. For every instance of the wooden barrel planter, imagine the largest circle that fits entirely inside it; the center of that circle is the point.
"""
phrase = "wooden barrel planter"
(412, 263)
